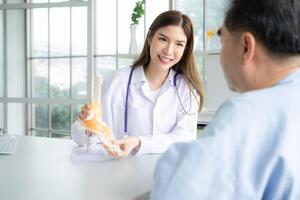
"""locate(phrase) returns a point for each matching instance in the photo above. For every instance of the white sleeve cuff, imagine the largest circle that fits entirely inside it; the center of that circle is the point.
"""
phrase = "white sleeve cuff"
(145, 145)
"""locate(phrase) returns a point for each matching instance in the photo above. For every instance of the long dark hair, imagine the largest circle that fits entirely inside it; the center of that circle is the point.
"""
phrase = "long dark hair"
(187, 64)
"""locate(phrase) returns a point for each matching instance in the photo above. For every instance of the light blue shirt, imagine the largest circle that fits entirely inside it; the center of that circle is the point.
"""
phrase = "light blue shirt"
(250, 150)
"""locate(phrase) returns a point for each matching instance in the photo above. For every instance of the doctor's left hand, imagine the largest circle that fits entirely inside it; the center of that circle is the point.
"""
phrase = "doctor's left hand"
(127, 144)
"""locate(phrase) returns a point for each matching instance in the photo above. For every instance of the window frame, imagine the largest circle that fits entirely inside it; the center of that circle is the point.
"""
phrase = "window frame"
(28, 100)
(91, 56)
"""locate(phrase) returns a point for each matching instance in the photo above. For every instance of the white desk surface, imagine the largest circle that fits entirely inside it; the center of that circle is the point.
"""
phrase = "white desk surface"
(41, 169)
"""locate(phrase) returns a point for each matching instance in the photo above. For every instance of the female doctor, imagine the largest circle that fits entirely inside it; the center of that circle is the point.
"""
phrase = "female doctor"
(155, 102)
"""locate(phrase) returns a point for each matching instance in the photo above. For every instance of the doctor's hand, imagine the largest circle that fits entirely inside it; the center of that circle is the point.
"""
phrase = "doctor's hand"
(127, 144)
(85, 111)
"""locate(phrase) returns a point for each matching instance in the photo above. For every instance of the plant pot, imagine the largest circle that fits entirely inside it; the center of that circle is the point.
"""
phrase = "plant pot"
(133, 47)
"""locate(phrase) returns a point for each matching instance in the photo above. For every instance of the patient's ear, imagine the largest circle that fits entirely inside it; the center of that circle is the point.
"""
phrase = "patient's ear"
(248, 45)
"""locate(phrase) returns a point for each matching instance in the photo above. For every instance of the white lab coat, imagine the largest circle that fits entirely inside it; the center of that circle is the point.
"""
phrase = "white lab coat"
(157, 124)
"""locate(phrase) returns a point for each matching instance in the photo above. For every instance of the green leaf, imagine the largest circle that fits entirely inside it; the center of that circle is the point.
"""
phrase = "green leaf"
(138, 11)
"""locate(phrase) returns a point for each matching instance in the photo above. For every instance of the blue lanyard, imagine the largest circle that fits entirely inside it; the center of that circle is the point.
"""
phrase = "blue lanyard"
(127, 95)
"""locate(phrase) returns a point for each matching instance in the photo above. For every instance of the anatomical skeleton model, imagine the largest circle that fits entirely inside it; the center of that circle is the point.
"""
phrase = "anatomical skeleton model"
(94, 124)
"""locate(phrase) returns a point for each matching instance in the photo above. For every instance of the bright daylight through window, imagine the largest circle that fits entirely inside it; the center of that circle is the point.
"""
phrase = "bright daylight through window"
(50, 49)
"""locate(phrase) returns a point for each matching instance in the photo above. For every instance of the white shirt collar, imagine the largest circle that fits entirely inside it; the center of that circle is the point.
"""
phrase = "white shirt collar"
(139, 76)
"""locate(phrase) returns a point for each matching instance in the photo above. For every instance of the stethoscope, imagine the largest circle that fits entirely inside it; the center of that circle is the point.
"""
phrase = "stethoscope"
(128, 91)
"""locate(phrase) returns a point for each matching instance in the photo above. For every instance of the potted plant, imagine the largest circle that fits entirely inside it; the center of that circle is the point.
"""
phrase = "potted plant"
(137, 13)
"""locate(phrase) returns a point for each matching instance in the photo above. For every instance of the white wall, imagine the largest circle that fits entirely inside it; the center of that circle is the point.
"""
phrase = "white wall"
(1, 116)
(1, 67)
(15, 53)
(1, 54)
(16, 69)
(16, 118)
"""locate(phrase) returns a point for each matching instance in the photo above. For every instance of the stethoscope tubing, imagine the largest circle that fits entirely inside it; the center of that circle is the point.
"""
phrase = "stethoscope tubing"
(126, 100)
(127, 96)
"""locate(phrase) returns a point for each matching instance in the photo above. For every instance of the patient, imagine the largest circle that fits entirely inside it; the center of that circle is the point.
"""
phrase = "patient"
(250, 150)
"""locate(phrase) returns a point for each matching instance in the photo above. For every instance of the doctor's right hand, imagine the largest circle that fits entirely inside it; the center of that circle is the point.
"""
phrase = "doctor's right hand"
(85, 111)
(128, 144)
(83, 115)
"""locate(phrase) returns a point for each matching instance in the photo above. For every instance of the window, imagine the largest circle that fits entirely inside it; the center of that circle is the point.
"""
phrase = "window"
(46, 62)
(48, 55)
(112, 31)
(207, 16)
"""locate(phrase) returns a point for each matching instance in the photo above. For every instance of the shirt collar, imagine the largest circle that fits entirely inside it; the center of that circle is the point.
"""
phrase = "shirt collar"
(294, 76)
(171, 77)
(138, 76)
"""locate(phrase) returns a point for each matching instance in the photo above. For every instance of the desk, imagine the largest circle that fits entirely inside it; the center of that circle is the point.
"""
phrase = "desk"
(41, 169)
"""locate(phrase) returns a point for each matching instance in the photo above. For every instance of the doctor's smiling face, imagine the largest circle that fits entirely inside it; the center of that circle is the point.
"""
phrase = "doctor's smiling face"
(167, 46)
(169, 43)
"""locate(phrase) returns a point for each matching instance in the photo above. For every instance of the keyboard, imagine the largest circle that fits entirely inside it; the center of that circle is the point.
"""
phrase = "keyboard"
(8, 144)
